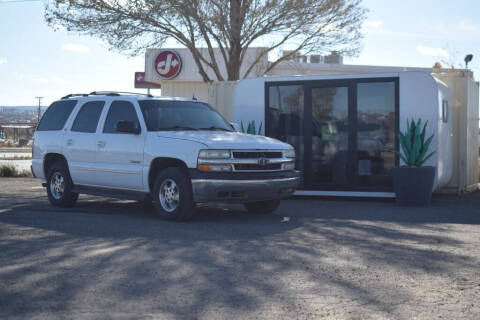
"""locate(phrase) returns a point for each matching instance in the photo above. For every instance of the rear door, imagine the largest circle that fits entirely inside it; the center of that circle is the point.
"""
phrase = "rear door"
(80, 143)
(120, 155)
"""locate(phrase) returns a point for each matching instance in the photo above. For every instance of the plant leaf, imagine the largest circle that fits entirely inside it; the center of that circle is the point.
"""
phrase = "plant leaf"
(425, 149)
(426, 158)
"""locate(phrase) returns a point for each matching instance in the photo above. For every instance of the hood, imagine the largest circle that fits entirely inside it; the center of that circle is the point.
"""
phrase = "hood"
(226, 140)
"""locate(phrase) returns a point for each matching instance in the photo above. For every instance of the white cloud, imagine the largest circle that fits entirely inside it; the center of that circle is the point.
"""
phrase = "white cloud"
(3, 60)
(432, 52)
(468, 27)
(58, 80)
(41, 79)
(373, 23)
(75, 47)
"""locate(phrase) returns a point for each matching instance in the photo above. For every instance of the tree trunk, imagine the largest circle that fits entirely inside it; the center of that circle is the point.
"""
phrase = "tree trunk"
(235, 50)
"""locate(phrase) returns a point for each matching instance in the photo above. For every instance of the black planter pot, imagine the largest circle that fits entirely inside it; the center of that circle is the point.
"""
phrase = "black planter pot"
(413, 185)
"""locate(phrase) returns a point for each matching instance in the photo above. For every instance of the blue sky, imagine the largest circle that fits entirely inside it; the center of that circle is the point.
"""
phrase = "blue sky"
(37, 61)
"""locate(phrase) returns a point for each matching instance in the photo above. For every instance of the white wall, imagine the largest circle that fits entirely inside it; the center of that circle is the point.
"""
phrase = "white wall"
(420, 97)
(472, 133)
(198, 90)
(220, 96)
(249, 102)
(465, 129)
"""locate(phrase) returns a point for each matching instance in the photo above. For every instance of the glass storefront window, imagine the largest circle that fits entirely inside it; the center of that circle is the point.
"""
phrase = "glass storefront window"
(330, 132)
(285, 117)
(376, 125)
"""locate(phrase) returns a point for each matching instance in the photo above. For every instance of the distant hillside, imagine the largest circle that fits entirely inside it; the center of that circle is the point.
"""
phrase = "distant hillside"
(20, 108)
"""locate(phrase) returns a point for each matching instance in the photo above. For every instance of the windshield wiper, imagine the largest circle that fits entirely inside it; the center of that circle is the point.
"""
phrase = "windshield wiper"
(178, 128)
(215, 128)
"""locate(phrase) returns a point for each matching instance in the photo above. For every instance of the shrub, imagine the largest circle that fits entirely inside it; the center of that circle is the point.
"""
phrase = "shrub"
(8, 171)
(251, 128)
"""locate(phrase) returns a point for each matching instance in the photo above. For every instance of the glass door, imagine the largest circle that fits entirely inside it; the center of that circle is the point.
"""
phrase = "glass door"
(350, 137)
(331, 149)
(344, 131)
(376, 123)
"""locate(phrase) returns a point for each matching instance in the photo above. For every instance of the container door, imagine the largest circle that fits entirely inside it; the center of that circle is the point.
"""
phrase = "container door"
(330, 138)
(376, 130)
(351, 135)
(285, 117)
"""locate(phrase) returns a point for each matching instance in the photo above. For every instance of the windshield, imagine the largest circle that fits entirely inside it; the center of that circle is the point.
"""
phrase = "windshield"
(181, 115)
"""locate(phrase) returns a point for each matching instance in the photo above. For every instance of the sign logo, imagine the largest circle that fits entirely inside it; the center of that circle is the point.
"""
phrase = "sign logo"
(263, 162)
(168, 64)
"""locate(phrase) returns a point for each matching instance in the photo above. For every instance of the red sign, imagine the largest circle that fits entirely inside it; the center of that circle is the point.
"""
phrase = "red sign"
(168, 64)
(142, 84)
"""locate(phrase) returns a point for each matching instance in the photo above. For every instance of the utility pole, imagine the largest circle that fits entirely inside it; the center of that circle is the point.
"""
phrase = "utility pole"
(39, 106)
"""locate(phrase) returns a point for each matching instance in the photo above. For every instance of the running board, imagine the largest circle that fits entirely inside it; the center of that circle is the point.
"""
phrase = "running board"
(111, 193)
(345, 194)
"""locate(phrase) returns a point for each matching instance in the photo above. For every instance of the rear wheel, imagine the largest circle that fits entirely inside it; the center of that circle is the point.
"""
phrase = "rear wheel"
(60, 185)
(172, 195)
(259, 207)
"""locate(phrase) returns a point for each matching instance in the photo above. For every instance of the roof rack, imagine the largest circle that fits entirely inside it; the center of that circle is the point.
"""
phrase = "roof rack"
(117, 93)
(75, 95)
(105, 93)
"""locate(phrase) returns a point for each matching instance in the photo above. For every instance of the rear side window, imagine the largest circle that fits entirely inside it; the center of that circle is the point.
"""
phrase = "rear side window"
(56, 115)
(87, 118)
(120, 111)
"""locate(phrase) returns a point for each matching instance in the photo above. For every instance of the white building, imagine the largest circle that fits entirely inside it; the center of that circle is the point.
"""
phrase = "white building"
(342, 119)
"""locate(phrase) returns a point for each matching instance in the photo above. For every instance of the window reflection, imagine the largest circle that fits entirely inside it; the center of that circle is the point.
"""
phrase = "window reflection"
(376, 132)
(330, 135)
(285, 113)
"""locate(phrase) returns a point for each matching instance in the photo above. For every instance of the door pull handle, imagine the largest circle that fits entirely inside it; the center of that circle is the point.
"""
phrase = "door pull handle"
(69, 142)
(101, 144)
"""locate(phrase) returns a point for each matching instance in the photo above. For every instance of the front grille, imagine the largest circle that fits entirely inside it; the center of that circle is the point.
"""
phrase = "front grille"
(257, 154)
(257, 167)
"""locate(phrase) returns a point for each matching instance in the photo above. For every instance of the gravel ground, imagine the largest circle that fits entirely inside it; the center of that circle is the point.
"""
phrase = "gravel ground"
(313, 258)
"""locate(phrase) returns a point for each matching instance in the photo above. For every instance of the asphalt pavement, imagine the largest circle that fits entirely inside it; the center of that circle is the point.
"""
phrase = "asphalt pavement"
(312, 259)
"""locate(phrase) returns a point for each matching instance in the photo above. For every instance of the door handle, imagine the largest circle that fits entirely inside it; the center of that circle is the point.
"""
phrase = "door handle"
(69, 142)
(101, 144)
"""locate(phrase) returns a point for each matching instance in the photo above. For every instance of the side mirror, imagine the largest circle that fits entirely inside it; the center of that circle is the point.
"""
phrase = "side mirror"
(125, 126)
(235, 126)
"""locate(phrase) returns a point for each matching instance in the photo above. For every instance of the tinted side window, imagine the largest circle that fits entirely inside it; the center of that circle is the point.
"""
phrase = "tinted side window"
(87, 118)
(56, 115)
(120, 111)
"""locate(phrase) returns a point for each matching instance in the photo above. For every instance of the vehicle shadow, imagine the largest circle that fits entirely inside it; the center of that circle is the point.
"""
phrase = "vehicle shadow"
(117, 256)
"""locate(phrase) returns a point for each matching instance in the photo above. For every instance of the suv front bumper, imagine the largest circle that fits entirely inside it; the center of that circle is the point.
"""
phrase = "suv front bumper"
(240, 187)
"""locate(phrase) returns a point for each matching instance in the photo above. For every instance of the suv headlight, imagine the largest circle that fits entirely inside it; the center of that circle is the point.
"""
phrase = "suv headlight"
(214, 154)
(290, 153)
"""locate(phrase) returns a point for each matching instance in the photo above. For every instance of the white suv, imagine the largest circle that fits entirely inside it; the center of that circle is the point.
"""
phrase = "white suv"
(175, 151)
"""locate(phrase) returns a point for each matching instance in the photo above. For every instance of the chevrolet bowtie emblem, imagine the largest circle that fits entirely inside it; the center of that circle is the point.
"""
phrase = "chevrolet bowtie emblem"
(263, 161)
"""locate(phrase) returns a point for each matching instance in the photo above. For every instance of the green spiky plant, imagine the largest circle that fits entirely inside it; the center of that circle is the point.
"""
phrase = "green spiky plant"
(413, 144)
(251, 128)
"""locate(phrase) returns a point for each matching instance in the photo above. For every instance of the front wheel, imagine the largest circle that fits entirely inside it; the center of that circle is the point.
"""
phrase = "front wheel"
(172, 195)
(267, 206)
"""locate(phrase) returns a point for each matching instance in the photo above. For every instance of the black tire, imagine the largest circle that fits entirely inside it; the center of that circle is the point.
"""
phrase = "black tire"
(181, 206)
(259, 207)
(66, 198)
